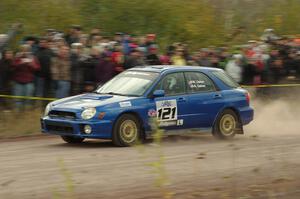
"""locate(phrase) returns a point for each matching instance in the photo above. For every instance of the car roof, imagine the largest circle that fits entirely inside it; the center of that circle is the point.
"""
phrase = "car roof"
(169, 68)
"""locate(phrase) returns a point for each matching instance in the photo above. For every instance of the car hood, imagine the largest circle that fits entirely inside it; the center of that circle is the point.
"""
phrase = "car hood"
(88, 100)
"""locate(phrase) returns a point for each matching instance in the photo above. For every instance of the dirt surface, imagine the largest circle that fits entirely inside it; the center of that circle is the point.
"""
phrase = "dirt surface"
(264, 163)
(196, 167)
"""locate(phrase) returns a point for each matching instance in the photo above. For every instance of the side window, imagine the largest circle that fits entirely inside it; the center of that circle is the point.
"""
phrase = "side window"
(198, 82)
(226, 79)
(172, 84)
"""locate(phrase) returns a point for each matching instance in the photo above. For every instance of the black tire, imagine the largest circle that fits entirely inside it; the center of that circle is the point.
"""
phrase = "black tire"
(125, 123)
(224, 128)
(72, 140)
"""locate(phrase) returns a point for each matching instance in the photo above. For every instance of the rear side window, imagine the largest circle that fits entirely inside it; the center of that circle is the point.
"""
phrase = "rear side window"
(198, 82)
(226, 79)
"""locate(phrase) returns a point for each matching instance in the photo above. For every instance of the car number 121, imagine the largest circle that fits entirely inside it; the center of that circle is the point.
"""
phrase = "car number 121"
(166, 110)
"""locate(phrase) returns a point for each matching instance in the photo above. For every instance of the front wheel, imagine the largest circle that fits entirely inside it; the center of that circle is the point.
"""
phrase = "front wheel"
(72, 140)
(127, 131)
(226, 125)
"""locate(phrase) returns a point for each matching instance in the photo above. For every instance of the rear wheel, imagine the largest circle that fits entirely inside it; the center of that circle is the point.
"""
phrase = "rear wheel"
(127, 131)
(226, 125)
(72, 140)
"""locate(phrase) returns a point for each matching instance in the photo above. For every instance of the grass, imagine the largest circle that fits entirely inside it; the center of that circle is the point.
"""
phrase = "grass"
(158, 166)
(19, 124)
(68, 183)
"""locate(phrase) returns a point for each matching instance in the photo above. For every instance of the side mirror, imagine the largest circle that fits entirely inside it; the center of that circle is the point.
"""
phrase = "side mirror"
(158, 93)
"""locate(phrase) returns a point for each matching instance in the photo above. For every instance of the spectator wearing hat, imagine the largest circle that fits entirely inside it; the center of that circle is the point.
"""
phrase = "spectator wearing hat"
(178, 58)
(126, 44)
(142, 42)
(234, 68)
(166, 58)
(74, 34)
(249, 72)
(3, 42)
(32, 41)
(77, 67)
(152, 58)
(6, 65)
(135, 59)
(118, 38)
(276, 67)
(95, 41)
(43, 77)
(89, 70)
(291, 64)
(150, 40)
(193, 60)
(204, 58)
(61, 72)
(24, 69)
(297, 58)
(215, 61)
(118, 59)
(105, 70)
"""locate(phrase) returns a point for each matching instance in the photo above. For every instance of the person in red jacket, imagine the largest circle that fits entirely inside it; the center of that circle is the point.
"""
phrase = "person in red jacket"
(24, 67)
(117, 58)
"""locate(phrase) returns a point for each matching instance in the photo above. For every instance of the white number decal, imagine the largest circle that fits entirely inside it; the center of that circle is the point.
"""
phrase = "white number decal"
(166, 110)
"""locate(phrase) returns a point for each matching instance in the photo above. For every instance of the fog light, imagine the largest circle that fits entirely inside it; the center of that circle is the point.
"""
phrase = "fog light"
(87, 129)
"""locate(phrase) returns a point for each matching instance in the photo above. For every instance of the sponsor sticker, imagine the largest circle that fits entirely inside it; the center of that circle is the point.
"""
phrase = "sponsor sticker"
(167, 123)
(196, 84)
(152, 113)
(179, 122)
(166, 113)
(166, 110)
(125, 104)
(170, 123)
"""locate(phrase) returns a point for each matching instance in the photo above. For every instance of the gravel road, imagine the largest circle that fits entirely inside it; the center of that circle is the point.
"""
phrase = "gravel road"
(264, 163)
(194, 166)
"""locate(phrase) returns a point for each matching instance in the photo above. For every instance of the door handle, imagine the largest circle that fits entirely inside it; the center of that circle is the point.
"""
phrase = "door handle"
(181, 99)
(218, 96)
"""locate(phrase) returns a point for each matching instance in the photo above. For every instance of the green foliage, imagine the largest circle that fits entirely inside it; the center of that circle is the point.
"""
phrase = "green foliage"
(38, 15)
(69, 182)
(286, 18)
(159, 165)
(197, 22)
(173, 20)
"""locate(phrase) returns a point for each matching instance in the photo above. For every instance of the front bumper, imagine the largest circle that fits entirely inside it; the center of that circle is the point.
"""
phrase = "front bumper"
(101, 129)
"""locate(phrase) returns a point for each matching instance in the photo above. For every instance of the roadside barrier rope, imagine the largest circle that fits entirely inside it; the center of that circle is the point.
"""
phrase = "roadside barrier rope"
(243, 86)
(27, 98)
(271, 86)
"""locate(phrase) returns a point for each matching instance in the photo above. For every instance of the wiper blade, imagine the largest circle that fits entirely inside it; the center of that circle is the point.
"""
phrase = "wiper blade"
(120, 94)
(112, 93)
(133, 95)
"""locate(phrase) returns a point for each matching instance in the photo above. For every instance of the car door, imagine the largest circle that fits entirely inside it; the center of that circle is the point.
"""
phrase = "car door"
(204, 99)
(171, 110)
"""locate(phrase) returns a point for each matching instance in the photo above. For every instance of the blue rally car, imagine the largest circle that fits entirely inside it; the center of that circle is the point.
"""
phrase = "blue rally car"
(179, 97)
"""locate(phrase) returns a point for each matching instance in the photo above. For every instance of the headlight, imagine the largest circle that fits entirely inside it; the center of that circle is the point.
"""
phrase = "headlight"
(47, 109)
(88, 113)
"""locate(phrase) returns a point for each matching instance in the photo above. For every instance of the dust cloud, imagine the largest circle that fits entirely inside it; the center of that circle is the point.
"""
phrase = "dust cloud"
(275, 117)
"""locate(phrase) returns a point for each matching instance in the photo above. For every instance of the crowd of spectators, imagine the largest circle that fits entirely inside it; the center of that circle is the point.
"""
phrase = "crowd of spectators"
(58, 65)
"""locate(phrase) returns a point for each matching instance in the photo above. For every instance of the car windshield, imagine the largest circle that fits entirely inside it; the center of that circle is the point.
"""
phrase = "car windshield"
(129, 83)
